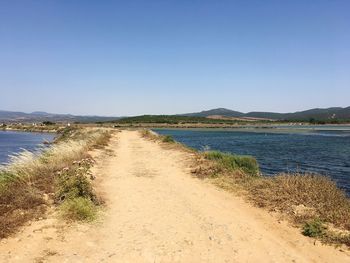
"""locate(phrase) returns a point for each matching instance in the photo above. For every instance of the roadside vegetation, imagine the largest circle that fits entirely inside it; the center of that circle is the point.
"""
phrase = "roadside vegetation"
(235, 163)
(148, 134)
(168, 138)
(58, 175)
(312, 202)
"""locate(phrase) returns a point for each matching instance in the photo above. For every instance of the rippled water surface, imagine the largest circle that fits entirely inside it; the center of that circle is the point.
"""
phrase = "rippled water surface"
(13, 142)
(323, 149)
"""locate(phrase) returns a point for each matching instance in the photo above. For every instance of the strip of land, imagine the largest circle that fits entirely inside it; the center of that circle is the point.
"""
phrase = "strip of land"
(155, 211)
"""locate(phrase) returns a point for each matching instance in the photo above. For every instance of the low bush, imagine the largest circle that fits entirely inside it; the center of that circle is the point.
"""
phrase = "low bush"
(168, 139)
(148, 134)
(73, 182)
(314, 228)
(228, 161)
(145, 133)
(80, 208)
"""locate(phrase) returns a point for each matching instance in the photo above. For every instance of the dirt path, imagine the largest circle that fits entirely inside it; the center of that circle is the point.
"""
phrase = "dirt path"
(156, 212)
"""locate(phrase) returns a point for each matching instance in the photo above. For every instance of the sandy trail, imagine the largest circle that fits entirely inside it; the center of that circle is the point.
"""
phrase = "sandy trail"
(156, 212)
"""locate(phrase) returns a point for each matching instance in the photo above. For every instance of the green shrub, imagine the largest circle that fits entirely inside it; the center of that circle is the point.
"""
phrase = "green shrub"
(6, 178)
(73, 183)
(79, 208)
(214, 155)
(145, 133)
(168, 138)
(314, 228)
(48, 123)
(247, 164)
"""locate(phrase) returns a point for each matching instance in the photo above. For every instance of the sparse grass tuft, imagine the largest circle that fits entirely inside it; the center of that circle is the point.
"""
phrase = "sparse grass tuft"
(148, 134)
(314, 228)
(168, 139)
(231, 162)
(80, 208)
(145, 133)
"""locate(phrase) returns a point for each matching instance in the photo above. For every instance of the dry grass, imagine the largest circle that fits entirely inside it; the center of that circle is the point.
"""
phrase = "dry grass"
(167, 142)
(150, 135)
(318, 193)
(30, 177)
(79, 208)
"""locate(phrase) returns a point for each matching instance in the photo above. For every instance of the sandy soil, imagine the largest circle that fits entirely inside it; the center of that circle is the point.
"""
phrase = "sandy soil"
(156, 212)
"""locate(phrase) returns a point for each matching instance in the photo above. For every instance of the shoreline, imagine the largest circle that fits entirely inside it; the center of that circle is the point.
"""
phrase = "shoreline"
(31, 129)
(272, 163)
(218, 126)
(214, 126)
(22, 142)
(281, 128)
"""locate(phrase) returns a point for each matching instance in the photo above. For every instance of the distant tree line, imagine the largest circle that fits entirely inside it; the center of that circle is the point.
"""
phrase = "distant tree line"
(319, 121)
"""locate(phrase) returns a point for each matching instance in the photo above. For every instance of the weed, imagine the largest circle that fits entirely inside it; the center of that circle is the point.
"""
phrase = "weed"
(228, 161)
(80, 208)
(73, 182)
(168, 139)
(314, 228)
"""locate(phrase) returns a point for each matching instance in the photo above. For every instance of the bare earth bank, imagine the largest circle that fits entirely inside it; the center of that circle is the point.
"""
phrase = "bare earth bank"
(156, 212)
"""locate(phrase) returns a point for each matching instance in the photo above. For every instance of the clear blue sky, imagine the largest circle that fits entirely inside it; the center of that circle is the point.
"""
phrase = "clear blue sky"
(138, 57)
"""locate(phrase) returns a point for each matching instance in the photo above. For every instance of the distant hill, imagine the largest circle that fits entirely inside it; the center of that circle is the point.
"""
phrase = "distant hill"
(317, 114)
(213, 112)
(227, 115)
(170, 119)
(39, 116)
(329, 113)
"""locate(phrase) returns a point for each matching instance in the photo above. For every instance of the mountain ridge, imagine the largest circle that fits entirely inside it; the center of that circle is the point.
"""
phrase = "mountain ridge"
(315, 113)
(332, 113)
(39, 116)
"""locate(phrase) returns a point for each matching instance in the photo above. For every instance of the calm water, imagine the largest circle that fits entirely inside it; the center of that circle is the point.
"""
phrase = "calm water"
(324, 150)
(14, 142)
